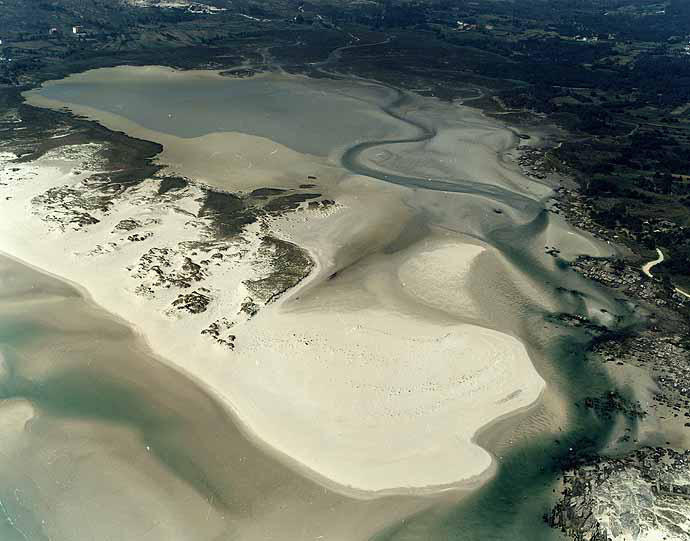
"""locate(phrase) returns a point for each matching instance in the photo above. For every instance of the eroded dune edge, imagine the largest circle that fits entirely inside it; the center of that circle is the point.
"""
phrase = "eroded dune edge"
(369, 368)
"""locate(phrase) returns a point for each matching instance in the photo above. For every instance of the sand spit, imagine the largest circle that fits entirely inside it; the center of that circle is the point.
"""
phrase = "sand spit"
(348, 382)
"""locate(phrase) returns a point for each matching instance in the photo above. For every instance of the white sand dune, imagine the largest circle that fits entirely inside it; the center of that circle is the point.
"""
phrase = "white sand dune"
(430, 279)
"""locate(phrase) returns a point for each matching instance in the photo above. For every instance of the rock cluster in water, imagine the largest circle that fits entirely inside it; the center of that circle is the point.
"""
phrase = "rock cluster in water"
(645, 495)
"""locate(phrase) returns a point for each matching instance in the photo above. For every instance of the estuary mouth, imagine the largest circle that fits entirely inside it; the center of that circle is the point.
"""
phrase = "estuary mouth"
(338, 272)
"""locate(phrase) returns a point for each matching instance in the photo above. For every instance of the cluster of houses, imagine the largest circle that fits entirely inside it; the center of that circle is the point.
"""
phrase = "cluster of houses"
(463, 26)
(77, 32)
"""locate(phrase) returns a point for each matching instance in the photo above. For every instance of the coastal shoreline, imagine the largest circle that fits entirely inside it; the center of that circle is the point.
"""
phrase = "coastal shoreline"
(370, 192)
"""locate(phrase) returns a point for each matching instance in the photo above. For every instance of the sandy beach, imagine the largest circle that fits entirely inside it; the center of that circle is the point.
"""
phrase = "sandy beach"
(94, 421)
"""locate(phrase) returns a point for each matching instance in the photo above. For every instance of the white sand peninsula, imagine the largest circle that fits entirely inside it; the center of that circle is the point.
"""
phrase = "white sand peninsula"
(368, 379)
(348, 381)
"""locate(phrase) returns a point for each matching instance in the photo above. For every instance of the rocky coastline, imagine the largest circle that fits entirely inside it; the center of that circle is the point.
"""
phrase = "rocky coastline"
(646, 491)
(641, 496)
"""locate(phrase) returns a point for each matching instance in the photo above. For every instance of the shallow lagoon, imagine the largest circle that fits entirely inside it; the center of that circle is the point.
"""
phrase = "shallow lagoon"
(288, 110)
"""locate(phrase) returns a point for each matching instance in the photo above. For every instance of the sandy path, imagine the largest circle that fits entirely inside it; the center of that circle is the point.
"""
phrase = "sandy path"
(647, 267)
(647, 270)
